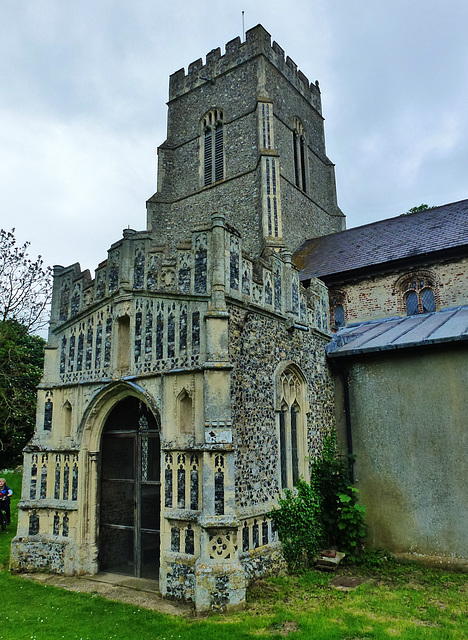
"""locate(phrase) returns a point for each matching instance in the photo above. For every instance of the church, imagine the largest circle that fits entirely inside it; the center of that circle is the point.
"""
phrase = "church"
(194, 378)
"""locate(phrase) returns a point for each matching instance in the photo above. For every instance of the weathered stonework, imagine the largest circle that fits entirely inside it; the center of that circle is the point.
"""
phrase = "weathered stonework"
(259, 563)
(186, 385)
(262, 95)
(53, 557)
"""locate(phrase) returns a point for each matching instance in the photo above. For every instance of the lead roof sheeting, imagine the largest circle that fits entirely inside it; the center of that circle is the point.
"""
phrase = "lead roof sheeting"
(456, 325)
(359, 336)
(441, 326)
(395, 332)
(425, 330)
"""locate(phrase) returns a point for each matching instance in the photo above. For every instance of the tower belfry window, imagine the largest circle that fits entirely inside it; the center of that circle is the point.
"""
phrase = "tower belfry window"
(213, 147)
(300, 156)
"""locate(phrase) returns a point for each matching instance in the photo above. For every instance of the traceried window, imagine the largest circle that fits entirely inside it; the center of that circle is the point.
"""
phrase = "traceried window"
(291, 426)
(300, 156)
(418, 294)
(213, 147)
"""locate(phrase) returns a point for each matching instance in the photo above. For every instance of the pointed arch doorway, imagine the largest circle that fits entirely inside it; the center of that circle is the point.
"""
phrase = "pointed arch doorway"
(129, 533)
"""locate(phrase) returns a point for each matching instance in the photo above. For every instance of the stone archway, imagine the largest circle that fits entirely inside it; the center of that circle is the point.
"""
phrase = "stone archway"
(130, 491)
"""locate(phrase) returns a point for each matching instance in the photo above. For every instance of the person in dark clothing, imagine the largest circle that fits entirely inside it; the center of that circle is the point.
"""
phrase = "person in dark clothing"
(5, 493)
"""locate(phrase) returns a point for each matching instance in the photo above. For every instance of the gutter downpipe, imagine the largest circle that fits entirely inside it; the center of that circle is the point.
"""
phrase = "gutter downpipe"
(347, 408)
(349, 433)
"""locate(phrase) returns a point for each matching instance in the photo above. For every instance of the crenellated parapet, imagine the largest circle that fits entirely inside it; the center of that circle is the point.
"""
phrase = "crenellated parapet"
(134, 265)
(168, 297)
(257, 42)
(271, 284)
(166, 304)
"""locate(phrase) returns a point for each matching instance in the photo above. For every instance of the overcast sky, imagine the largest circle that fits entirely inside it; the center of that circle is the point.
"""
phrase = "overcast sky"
(84, 85)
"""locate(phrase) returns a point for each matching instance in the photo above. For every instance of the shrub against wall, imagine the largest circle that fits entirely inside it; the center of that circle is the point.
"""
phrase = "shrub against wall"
(299, 525)
(324, 514)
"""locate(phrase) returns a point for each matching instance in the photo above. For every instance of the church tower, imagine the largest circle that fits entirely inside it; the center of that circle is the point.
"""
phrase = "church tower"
(245, 138)
(186, 386)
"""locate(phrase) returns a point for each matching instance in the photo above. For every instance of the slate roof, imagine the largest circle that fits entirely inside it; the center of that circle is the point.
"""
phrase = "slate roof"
(449, 325)
(411, 237)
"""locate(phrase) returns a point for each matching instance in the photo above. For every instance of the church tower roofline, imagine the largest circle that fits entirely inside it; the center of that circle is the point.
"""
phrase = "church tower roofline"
(257, 42)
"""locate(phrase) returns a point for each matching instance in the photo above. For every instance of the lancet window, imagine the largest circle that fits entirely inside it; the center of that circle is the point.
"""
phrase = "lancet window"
(337, 309)
(291, 426)
(213, 147)
(300, 156)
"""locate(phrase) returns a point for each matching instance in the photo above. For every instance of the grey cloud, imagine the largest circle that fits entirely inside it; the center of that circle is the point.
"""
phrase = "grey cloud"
(84, 87)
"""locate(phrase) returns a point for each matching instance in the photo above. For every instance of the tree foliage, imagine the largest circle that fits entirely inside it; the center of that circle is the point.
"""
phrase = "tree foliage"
(21, 362)
(420, 207)
(25, 284)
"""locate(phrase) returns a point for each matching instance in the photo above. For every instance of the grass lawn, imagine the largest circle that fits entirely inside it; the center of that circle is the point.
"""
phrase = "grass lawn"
(394, 602)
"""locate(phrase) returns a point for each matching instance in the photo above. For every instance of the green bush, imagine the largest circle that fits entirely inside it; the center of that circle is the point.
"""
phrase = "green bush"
(299, 526)
(342, 516)
(325, 514)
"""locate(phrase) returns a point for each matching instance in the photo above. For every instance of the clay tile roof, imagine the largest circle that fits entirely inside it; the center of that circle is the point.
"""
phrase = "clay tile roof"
(373, 245)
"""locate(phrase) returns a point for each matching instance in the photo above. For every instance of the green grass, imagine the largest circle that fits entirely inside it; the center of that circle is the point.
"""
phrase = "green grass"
(396, 602)
(41, 612)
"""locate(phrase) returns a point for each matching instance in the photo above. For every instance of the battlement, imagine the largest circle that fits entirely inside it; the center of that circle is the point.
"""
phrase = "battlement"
(257, 42)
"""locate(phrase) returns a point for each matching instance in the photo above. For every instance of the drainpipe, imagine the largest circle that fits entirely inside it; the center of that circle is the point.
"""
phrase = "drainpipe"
(344, 375)
(349, 434)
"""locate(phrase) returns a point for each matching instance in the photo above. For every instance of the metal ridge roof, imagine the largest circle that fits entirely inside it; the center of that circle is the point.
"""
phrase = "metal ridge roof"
(449, 325)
